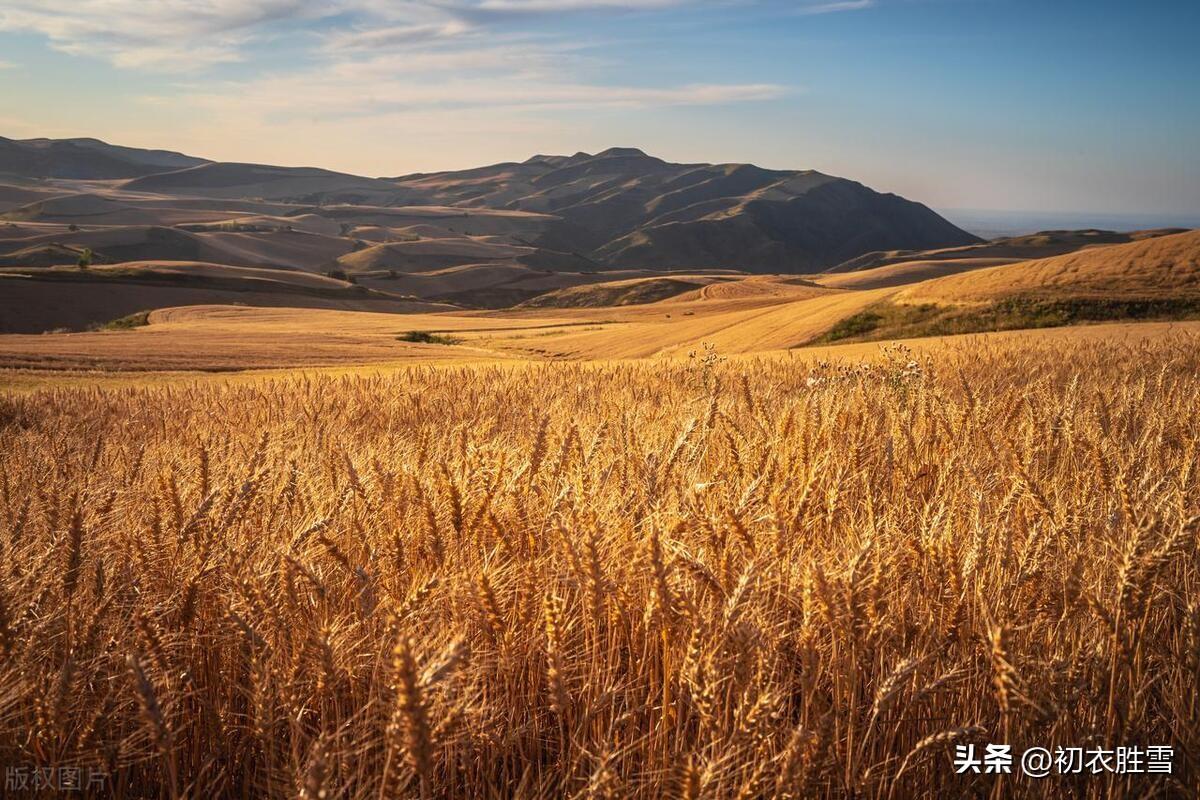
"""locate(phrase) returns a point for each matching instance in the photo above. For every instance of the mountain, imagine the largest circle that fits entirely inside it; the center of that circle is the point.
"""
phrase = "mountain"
(624, 208)
(85, 159)
(619, 208)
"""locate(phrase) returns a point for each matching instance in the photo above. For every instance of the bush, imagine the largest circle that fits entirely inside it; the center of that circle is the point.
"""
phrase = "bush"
(856, 325)
(137, 319)
(426, 337)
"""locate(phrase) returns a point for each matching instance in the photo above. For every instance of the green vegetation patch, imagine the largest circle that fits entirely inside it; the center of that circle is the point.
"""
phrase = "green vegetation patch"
(427, 337)
(138, 319)
(887, 320)
(859, 324)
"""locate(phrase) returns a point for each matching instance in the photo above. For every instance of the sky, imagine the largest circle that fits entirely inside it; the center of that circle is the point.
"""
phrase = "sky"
(1061, 106)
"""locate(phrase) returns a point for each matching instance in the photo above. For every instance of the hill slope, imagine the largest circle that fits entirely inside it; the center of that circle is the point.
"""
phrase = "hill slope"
(1159, 267)
(119, 243)
(261, 181)
(1149, 279)
(1012, 248)
(58, 298)
(85, 159)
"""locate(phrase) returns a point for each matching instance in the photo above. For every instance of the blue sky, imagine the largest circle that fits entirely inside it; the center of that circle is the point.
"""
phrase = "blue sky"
(986, 104)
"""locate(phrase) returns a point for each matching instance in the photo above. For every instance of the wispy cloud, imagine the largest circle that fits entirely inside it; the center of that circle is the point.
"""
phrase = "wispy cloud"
(350, 91)
(357, 67)
(392, 36)
(169, 34)
(184, 35)
(189, 36)
(837, 5)
(538, 6)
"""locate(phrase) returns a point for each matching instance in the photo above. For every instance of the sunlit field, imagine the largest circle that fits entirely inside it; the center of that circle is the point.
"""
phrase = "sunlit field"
(702, 578)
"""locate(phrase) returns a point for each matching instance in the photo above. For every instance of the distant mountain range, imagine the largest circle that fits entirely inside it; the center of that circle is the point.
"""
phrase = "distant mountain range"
(994, 224)
(619, 208)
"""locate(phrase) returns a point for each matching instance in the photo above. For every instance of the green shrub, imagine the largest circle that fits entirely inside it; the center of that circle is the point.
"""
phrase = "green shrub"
(426, 337)
(136, 320)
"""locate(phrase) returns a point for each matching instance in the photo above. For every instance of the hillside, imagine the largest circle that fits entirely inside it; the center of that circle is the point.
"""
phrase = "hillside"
(85, 159)
(903, 273)
(58, 298)
(1154, 278)
(260, 181)
(636, 291)
(1157, 267)
(576, 315)
(1012, 248)
(611, 229)
(48, 245)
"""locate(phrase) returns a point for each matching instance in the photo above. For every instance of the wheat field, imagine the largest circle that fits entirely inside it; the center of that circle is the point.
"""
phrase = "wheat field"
(705, 578)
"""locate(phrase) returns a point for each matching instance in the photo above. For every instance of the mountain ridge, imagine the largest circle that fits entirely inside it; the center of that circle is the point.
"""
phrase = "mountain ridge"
(626, 208)
(619, 208)
(85, 159)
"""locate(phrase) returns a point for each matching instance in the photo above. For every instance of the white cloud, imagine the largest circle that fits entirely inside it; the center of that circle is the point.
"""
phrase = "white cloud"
(534, 6)
(192, 34)
(390, 36)
(836, 5)
(349, 91)
(164, 34)
(189, 35)
(425, 121)
(512, 61)
(359, 64)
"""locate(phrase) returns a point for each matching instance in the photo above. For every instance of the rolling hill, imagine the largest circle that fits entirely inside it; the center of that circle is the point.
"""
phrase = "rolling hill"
(1013, 248)
(284, 249)
(614, 229)
(905, 272)
(1166, 266)
(634, 291)
(85, 159)
(260, 181)
(1156, 278)
(39, 299)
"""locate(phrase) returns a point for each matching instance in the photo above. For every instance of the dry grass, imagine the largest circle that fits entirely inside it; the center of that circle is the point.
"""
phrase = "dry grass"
(1166, 267)
(232, 337)
(705, 579)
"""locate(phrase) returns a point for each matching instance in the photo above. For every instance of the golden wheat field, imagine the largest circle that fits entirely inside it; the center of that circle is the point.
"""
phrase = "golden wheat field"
(765, 578)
